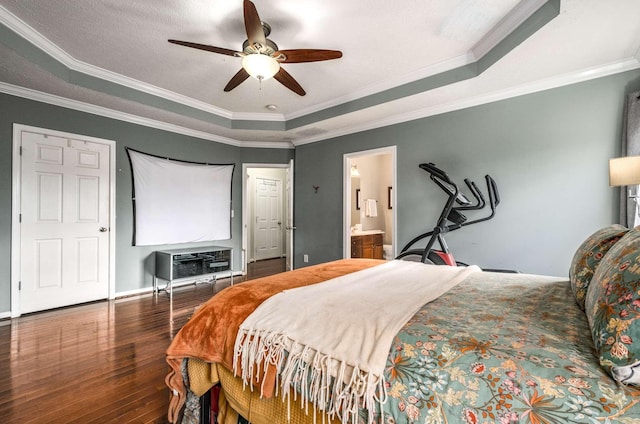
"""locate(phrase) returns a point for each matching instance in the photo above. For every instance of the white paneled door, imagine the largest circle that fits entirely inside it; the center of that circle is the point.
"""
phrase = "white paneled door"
(64, 230)
(268, 228)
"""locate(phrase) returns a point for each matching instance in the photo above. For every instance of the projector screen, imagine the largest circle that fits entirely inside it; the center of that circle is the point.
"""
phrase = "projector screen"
(179, 202)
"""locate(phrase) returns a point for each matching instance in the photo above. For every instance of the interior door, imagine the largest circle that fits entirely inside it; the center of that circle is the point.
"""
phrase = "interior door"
(64, 238)
(289, 226)
(268, 228)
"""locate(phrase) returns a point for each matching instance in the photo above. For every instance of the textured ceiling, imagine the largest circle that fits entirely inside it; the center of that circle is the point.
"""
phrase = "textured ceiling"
(399, 63)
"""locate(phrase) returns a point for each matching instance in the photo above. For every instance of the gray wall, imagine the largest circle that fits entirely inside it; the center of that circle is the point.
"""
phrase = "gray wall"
(547, 151)
(134, 265)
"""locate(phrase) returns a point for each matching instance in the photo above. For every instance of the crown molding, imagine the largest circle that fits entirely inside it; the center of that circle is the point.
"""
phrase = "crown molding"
(25, 31)
(499, 32)
(515, 18)
(28, 33)
(545, 84)
(267, 117)
(21, 28)
(628, 64)
(133, 119)
(570, 78)
(388, 84)
(520, 13)
(268, 144)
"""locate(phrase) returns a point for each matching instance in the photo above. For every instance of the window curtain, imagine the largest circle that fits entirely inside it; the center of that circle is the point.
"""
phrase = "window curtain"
(629, 214)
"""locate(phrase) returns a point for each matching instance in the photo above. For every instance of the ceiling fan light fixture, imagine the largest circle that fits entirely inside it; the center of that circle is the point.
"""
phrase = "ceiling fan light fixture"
(261, 57)
(260, 66)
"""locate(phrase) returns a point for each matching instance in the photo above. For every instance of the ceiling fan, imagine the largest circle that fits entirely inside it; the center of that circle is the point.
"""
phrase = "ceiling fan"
(261, 57)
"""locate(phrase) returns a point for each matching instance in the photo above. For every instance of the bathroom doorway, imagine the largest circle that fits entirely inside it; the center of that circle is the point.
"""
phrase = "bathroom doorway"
(369, 203)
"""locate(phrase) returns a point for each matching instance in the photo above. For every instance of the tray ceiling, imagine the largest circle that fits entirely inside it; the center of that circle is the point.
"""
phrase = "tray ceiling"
(399, 63)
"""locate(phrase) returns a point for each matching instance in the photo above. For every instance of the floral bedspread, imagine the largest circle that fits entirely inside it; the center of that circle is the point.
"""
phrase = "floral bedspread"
(502, 348)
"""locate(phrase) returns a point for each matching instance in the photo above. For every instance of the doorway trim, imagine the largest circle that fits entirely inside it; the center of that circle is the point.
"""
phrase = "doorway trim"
(346, 201)
(245, 210)
(16, 190)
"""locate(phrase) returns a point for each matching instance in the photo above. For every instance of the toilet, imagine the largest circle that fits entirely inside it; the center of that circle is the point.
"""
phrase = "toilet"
(387, 250)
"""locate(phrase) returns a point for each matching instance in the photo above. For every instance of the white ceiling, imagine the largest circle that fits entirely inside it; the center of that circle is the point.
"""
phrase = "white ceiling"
(112, 57)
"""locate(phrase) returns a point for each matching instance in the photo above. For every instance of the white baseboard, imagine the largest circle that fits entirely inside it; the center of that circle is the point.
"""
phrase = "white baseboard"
(176, 284)
(144, 290)
(133, 292)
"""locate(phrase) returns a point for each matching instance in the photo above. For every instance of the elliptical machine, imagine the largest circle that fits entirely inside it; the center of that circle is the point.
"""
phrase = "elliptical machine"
(451, 217)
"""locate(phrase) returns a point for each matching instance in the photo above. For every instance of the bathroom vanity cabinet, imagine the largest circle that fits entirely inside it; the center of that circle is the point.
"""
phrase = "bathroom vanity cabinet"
(367, 246)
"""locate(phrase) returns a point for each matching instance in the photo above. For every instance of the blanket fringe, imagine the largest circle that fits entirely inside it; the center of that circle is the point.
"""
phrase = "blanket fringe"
(335, 387)
(178, 391)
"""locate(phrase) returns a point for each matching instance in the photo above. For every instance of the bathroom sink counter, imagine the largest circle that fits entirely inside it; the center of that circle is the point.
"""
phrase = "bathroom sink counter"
(366, 232)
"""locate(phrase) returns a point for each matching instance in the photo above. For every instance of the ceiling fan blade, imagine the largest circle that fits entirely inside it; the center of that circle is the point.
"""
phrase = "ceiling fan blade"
(308, 55)
(253, 24)
(237, 80)
(206, 47)
(287, 80)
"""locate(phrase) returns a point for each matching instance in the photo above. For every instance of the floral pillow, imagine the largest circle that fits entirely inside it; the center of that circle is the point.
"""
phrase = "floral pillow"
(588, 256)
(613, 309)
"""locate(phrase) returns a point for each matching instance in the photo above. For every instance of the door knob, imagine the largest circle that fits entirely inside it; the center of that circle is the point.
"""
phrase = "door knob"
(103, 230)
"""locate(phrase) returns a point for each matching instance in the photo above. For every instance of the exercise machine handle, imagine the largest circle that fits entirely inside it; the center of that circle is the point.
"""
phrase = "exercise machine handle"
(435, 171)
(494, 200)
(477, 194)
(494, 194)
(443, 181)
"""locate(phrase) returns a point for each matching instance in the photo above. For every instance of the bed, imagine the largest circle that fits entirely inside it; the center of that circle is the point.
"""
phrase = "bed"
(496, 347)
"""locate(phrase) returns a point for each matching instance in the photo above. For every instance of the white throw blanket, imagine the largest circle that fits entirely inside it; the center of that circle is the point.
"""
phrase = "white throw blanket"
(330, 341)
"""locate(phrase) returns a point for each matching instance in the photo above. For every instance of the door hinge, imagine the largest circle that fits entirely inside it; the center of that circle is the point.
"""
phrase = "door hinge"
(20, 218)
(19, 285)
(20, 150)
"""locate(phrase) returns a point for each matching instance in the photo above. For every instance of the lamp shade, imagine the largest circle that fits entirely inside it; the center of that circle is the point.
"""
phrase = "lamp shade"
(624, 171)
(260, 66)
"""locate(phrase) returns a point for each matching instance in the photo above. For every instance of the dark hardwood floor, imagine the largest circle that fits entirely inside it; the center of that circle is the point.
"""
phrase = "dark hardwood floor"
(101, 362)
(263, 268)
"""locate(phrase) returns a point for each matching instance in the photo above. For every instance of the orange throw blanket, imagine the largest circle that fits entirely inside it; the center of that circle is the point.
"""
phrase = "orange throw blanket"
(211, 333)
